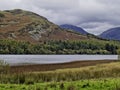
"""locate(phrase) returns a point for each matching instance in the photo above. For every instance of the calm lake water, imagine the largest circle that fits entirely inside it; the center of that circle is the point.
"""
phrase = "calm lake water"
(47, 59)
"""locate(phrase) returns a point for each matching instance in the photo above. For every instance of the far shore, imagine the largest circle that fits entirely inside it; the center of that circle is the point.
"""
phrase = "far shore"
(51, 67)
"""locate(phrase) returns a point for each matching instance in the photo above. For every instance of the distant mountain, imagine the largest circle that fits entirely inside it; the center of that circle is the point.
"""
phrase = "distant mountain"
(74, 28)
(28, 26)
(112, 34)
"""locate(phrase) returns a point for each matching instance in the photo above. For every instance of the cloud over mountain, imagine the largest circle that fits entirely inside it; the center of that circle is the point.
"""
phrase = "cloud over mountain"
(98, 15)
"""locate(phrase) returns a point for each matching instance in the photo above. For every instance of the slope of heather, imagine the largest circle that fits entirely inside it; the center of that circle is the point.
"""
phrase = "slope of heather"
(27, 26)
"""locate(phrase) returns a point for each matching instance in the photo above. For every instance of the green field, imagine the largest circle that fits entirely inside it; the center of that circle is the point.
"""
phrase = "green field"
(93, 84)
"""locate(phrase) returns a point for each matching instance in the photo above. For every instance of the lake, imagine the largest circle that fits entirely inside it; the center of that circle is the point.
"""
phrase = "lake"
(48, 59)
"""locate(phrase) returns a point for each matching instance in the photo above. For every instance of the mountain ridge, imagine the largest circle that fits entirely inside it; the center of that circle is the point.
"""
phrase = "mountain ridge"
(74, 28)
(111, 34)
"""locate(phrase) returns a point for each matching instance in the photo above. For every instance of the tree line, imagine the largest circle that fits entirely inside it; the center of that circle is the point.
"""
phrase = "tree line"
(60, 47)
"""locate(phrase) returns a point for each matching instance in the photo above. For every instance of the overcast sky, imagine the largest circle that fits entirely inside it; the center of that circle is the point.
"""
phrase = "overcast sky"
(95, 16)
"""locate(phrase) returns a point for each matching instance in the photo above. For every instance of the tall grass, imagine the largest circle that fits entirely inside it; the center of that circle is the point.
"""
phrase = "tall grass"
(4, 67)
(90, 72)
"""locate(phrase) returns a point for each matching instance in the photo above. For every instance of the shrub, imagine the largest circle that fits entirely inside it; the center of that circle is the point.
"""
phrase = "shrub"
(53, 85)
(4, 67)
(62, 86)
(29, 81)
(21, 79)
(71, 87)
(2, 15)
(117, 87)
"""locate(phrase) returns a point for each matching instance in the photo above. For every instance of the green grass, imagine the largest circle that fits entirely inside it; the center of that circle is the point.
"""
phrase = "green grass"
(93, 84)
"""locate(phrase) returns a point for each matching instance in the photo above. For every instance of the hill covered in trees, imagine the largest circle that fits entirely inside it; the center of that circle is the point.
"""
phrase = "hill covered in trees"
(24, 32)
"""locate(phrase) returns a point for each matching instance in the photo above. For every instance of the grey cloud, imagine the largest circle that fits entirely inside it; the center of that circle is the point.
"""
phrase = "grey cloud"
(93, 15)
(97, 27)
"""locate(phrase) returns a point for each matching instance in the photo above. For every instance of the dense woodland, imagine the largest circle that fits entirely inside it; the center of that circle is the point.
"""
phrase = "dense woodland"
(60, 47)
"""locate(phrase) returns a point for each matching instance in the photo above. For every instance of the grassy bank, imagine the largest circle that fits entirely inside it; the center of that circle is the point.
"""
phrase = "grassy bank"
(98, 77)
(94, 84)
(90, 72)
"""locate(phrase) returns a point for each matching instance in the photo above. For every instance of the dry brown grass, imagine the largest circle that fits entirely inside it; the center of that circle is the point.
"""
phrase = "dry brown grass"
(50, 67)
(89, 72)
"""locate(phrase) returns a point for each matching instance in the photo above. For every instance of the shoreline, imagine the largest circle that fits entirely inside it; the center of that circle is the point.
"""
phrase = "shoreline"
(52, 67)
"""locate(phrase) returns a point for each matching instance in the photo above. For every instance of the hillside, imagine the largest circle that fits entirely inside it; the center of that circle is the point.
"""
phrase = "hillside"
(74, 28)
(24, 32)
(27, 26)
(112, 34)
